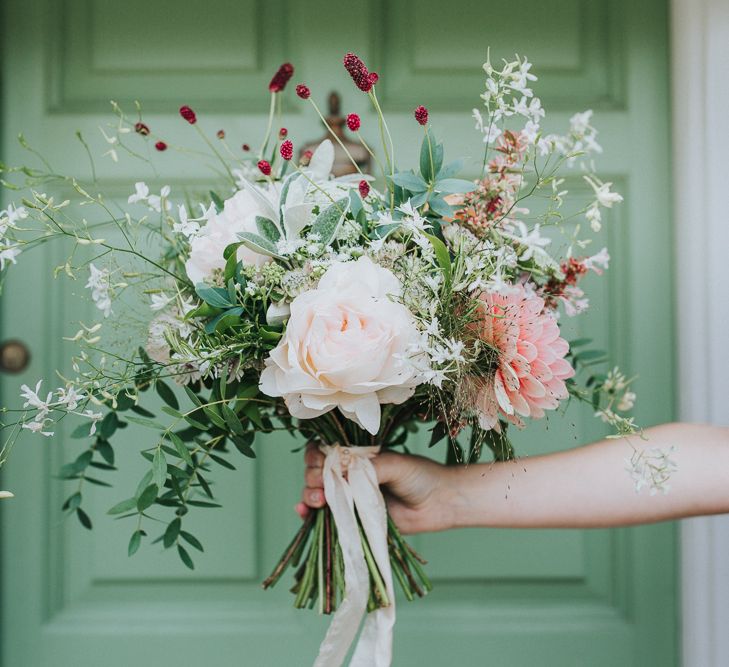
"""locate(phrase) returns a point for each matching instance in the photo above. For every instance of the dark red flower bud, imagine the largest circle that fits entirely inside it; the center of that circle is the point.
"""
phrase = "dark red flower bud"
(264, 167)
(287, 150)
(303, 91)
(283, 133)
(374, 78)
(421, 115)
(141, 128)
(281, 78)
(245, 147)
(188, 114)
(161, 146)
(364, 189)
(306, 158)
(221, 134)
(359, 73)
(354, 122)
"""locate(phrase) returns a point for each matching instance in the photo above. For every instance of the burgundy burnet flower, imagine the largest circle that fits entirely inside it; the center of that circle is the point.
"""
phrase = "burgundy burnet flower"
(141, 128)
(354, 122)
(188, 114)
(362, 77)
(283, 133)
(161, 146)
(264, 167)
(303, 91)
(421, 115)
(306, 158)
(245, 147)
(287, 150)
(281, 78)
(220, 134)
(364, 189)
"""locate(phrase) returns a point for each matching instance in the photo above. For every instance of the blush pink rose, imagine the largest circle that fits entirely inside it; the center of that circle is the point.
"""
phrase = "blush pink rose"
(530, 368)
(345, 346)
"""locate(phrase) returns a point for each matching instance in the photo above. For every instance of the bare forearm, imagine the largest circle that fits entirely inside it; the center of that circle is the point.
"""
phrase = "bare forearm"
(590, 487)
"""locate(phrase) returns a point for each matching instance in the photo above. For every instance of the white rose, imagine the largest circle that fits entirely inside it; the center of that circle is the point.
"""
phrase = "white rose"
(238, 215)
(345, 347)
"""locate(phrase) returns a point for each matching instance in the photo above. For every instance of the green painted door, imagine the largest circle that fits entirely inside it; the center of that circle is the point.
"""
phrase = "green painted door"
(502, 598)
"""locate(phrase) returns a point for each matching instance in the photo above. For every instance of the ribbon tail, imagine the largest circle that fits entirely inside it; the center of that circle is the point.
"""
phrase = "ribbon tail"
(374, 648)
(347, 619)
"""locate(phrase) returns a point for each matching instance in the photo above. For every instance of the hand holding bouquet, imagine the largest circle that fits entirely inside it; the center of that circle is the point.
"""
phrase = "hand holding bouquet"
(350, 310)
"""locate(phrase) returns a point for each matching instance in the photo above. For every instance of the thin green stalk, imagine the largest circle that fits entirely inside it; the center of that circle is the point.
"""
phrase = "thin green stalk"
(338, 140)
(267, 136)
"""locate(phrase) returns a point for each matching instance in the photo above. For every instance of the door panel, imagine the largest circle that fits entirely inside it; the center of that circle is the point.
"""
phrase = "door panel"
(563, 598)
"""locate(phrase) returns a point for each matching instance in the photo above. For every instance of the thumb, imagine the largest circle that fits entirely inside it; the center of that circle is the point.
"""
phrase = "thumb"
(386, 466)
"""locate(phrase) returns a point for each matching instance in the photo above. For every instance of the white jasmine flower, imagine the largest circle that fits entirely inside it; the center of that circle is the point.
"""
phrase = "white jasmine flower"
(594, 217)
(141, 192)
(186, 226)
(8, 253)
(33, 400)
(627, 401)
(100, 285)
(155, 202)
(37, 426)
(69, 397)
(604, 196)
(598, 262)
(160, 301)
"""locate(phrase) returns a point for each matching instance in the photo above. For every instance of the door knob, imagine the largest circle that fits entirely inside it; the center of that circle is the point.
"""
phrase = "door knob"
(14, 356)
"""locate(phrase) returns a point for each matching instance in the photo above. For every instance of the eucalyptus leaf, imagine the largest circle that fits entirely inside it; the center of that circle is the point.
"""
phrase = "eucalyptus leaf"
(213, 296)
(409, 181)
(147, 497)
(454, 185)
(159, 468)
(166, 394)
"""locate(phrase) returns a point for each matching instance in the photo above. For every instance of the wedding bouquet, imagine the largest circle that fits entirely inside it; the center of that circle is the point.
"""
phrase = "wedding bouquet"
(352, 310)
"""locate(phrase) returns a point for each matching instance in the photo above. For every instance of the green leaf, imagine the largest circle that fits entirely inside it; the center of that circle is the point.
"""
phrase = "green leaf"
(146, 422)
(355, 202)
(224, 321)
(166, 394)
(328, 221)
(72, 502)
(427, 155)
(123, 506)
(180, 447)
(83, 518)
(590, 355)
(202, 503)
(195, 423)
(441, 207)
(105, 450)
(231, 419)
(451, 169)
(438, 432)
(193, 396)
(441, 254)
(134, 541)
(143, 483)
(259, 244)
(580, 342)
(383, 231)
(203, 310)
(409, 181)
(253, 413)
(214, 296)
(267, 229)
(159, 468)
(185, 557)
(108, 425)
(454, 185)
(219, 203)
(192, 540)
(173, 530)
(223, 462)
(243, 444)
(147, 498)
(141, 411)
(81, 431)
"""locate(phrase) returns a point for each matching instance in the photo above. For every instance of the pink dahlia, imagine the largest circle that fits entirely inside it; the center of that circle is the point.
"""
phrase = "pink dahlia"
(527, 372)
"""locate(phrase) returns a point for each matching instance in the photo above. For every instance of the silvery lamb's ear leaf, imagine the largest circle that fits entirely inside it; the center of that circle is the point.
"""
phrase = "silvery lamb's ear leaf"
(263, 202)
(296, 217)
(322, 161)
(267, 229)
(327, 222)
(259, 244)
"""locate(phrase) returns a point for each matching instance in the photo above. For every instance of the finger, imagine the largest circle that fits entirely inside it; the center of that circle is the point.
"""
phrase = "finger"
(313, 497)
(301, 509)
(313, 478)
(313, 458)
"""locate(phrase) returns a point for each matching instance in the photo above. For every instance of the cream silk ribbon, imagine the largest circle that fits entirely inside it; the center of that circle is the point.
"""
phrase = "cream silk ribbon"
(350, 481)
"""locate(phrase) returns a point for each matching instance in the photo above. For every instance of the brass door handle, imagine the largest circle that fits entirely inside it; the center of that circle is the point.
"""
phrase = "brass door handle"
(14, 356)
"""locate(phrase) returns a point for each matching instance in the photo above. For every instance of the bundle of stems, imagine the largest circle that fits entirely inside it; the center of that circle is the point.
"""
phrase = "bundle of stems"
(319, 578)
